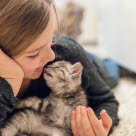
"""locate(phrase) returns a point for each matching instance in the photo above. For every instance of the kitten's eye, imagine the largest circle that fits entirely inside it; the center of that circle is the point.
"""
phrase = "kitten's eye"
(33, 57)
(62, 74)
(62, 80)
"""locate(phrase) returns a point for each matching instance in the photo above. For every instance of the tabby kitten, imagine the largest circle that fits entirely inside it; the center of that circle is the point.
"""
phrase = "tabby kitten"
(50, 116)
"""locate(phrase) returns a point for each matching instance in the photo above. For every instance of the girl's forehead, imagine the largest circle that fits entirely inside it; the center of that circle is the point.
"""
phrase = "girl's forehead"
(44, 38)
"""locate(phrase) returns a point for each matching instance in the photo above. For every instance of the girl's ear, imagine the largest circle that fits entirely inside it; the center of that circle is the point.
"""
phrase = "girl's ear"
(76, 70)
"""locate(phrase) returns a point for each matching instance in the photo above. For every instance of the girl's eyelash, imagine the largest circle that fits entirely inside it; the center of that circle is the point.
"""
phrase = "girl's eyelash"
(34, 56)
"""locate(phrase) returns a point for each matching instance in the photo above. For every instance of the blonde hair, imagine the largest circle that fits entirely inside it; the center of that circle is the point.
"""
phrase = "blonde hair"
(21, 23)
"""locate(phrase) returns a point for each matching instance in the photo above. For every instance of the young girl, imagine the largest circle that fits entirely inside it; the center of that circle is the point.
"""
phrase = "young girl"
(26, 30)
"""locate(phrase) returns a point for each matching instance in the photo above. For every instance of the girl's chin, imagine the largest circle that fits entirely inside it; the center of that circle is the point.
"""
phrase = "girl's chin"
(34, 76)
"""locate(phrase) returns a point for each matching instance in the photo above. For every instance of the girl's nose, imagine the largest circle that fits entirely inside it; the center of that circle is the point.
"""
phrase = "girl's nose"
(50, 56)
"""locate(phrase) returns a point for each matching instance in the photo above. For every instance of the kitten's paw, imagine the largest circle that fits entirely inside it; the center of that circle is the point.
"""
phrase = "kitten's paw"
(44, 105)
(34, 103)
(30, 102)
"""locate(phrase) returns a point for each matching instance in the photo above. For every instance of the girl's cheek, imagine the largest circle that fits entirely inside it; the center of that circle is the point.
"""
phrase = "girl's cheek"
(30, 67)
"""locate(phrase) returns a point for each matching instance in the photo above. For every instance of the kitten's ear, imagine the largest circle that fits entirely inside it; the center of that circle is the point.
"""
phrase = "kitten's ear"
(76, 69)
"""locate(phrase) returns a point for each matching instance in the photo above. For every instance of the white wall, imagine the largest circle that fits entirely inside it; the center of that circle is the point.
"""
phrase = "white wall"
(89, 23)
(117, 27)
(118, 30)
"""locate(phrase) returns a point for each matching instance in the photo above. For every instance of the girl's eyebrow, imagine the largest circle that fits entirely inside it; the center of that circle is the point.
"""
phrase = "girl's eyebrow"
(35, 49)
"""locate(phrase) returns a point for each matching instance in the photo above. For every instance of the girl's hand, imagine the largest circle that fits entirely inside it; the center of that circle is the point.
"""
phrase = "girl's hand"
(11, 71)
(8, 67)
(85, 123)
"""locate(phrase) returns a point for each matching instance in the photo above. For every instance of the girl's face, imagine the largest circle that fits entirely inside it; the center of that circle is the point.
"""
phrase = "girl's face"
(39, 53)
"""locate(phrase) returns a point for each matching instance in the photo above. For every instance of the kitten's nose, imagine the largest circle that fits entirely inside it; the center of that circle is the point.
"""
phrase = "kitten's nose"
(47, 68)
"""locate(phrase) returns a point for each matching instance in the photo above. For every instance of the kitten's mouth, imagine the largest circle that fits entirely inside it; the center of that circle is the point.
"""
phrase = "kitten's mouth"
(47, 73)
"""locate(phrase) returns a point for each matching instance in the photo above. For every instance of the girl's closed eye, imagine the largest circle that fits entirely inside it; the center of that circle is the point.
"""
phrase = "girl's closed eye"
(33, 57)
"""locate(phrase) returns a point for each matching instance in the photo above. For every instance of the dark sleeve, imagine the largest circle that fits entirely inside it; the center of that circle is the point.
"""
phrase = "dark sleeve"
(7, 100)
(101, 97)
(99, 93)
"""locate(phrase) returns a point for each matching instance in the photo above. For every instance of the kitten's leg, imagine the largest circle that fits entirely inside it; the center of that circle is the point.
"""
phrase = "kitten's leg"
(33, 102)
(28, 102)
(26, 121)
(44, 105)
(52, 131)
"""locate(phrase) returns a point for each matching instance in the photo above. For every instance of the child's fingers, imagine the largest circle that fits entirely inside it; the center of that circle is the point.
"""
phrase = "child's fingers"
(94, 122)
(73, 124)
(106, 120)
(78, 119)
(85, 123)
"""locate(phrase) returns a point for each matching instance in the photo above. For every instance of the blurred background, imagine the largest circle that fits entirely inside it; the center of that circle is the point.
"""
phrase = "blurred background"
(107, 28)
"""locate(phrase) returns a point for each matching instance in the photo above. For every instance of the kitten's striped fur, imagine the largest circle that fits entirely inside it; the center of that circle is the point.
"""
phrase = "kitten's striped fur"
(50, 116)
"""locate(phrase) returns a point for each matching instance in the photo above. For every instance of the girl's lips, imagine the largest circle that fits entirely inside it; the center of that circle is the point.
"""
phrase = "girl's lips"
(39, 69)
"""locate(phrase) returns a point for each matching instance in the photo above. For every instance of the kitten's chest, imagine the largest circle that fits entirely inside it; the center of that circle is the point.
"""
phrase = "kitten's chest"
(61, 112)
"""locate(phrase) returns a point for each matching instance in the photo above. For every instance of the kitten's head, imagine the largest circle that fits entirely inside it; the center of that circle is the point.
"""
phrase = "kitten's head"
(63, 77)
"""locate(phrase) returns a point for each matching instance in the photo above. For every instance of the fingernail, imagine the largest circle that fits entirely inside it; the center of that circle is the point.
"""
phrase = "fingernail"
(83, 108)
(78, 108)
(73, 112)
(89, 109)
(104, 111)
